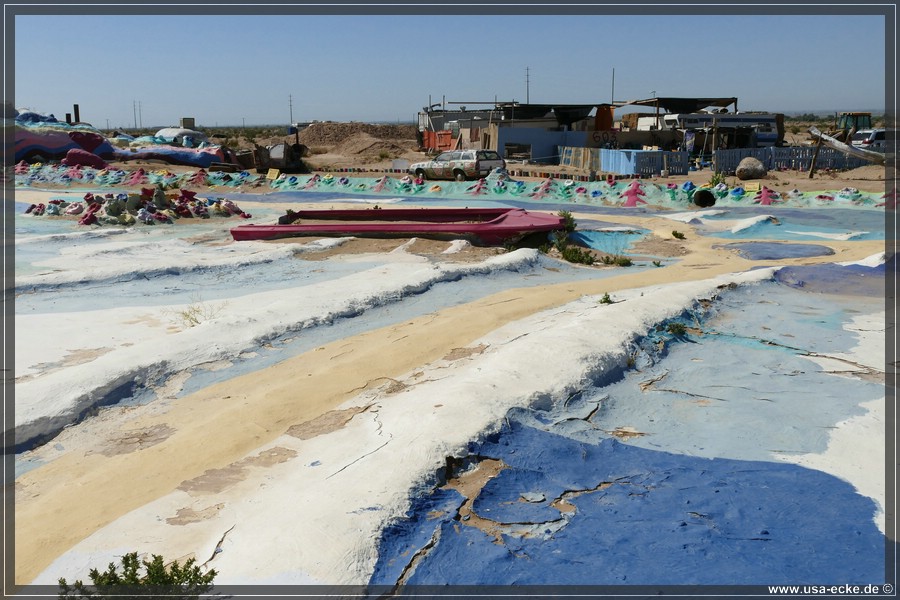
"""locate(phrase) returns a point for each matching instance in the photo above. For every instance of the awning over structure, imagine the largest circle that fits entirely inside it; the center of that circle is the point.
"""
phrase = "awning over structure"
(682, 105)
(565, 114)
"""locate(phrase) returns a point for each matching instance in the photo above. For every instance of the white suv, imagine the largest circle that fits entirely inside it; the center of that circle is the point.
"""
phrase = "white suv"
(459, 165)
(870, 139)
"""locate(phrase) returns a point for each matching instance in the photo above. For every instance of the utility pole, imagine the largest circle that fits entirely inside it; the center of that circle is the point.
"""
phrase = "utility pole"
(141, 114)
(612, 98)
(526, 86)
(291, 105)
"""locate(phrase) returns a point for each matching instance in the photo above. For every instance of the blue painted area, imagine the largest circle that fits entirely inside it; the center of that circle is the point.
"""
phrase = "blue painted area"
(699, 495)
(415, 532)
(742, 388)
(610, 242)
(804, 224)
(776, 250)
(645, 517)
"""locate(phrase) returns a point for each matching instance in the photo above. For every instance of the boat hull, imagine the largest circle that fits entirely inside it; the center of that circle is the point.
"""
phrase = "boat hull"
(488, 226)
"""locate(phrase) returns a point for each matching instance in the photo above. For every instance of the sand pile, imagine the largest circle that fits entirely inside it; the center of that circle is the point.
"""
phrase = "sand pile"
(332, 134)
(349, 144)
(364, 144)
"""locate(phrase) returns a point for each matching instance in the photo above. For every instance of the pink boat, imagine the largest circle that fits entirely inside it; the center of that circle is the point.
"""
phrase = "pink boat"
(487, 226)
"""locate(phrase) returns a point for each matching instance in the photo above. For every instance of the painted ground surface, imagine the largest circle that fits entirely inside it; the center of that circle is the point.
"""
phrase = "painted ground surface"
(395, 417)
(680, 472)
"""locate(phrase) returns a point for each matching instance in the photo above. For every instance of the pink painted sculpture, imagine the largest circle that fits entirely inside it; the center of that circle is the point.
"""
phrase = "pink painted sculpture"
(198, 178)
(137, 178)
(633, 194)
(477, 189)
(90, 217)
(381, 183)
(76, 156)
(766, 197)
(543, 190)
(890, 200)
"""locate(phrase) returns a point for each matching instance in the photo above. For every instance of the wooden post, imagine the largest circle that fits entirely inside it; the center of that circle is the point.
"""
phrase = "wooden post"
(812, 165)
(715, 147)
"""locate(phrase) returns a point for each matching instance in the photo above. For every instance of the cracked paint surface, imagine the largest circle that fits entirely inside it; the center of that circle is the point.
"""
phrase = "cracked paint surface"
(640, 517)
(679, 473)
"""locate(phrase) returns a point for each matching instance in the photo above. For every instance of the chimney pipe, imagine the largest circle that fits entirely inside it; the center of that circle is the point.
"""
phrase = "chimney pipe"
(69, 118)
(77, 116)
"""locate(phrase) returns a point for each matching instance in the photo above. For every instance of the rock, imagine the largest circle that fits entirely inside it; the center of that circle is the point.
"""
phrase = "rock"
(750, 168)
(83, 158)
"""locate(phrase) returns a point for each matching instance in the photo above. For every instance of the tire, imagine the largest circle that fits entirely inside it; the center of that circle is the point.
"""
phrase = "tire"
(703, 198)
(459, 175)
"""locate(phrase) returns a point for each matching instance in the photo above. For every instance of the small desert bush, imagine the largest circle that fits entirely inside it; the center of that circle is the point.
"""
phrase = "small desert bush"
(159, 579)
(617, 260)
(574, 254)
(676, 329)
(569, 222)
(198, 312)
(716, 179)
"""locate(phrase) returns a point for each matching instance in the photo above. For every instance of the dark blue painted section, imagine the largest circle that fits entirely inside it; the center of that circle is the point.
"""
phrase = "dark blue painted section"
(645, 517)
(414, 533)
(777, 251)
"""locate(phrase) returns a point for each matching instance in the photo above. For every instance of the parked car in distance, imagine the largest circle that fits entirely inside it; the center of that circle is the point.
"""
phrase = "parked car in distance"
(870, 139)
(459, 165)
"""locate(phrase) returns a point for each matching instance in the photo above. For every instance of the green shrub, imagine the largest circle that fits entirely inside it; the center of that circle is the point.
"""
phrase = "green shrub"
(617, 260)
(183, 582)
(606, 299)
(676, 329)
(574, 254)
(716, 179)
(560, 239)
(569, 223)
(677, 235)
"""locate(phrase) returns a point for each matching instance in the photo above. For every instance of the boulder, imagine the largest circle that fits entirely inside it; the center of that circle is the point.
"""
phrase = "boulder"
(78, 157)
(750, 168)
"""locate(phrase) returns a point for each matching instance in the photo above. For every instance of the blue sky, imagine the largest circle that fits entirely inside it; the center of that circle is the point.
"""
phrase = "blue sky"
(259, 69)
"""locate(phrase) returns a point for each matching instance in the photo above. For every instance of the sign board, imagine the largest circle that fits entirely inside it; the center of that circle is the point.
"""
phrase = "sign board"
(273, 174)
